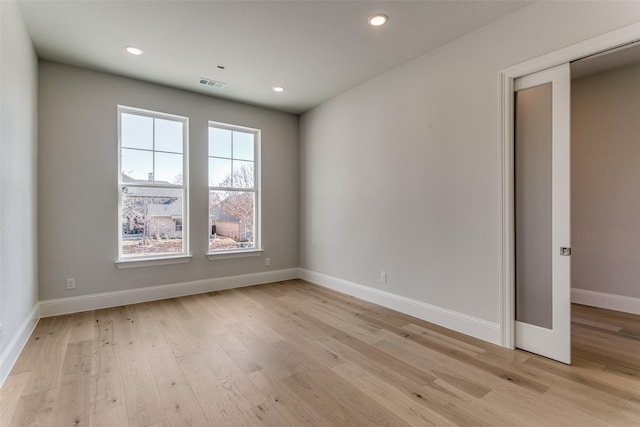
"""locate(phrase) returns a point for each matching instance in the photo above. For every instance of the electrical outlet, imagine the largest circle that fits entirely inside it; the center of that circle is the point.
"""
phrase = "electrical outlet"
(383, 277)
(71, 283)
(267, 261)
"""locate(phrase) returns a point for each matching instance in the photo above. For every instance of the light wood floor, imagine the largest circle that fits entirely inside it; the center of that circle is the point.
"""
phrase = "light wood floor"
(294, 354)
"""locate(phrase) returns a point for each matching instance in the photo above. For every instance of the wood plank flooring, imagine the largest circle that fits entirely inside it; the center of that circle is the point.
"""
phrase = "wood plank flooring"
(295, 354)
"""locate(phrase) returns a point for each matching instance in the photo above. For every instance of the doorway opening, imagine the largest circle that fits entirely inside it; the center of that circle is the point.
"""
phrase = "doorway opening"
(605, 206)
(593, 47)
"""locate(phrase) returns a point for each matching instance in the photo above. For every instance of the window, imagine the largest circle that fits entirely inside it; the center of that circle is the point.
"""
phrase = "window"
(234, 198)
(153, 184)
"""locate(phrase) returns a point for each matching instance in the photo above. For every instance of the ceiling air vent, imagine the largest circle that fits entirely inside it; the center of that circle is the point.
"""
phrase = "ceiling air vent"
(213, 83)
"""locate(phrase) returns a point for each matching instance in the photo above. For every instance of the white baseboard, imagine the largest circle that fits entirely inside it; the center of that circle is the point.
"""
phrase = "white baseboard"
(604, 300)
(479, 328)
(469, 325)
(59, 306)
(14, 348)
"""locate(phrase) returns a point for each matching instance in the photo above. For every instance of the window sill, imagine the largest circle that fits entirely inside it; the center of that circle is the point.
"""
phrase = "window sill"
(150, 262)
(214, 256)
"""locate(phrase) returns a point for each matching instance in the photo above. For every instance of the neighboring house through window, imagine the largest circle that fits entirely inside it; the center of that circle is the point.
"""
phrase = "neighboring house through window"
(153, 184)
(234, 198)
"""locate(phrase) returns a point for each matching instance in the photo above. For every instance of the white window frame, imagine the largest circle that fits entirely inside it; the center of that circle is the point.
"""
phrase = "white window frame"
(129, 261)
(257, 249)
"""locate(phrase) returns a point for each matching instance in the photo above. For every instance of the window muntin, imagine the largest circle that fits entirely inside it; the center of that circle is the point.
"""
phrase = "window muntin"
(233, 188)
(153, 193)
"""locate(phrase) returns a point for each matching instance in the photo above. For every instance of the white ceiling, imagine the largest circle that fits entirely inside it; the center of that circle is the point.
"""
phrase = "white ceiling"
(315, 49)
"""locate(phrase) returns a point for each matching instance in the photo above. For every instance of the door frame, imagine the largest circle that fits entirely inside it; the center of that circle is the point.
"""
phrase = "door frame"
(583, 49)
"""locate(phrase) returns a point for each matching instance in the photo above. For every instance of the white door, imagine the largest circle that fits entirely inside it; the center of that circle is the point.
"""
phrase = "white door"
(542, 213)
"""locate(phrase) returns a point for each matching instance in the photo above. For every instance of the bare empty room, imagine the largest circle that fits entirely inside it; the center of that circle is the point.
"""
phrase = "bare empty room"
(238, 213)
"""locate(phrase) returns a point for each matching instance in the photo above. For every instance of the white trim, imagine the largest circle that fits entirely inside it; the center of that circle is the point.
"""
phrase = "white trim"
(589, 47)
(77, 304)
(479, 328)
(216, 256)
(507, 226)
(605, 300)
(150, 262)
(10, 354)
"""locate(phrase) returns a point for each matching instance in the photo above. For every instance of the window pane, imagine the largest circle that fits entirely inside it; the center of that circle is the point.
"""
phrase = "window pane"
(168, 135)
(168, 168)
(219, 172)
(137, 164)
(242, 174)
(231, 220)
(242, 146)
(219, 142)
(151, 221)
(136, 131)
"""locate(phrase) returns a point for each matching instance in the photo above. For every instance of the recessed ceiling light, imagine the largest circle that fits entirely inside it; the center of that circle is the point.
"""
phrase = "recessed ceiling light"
(378, 19)
(134, 50)
(278, 89)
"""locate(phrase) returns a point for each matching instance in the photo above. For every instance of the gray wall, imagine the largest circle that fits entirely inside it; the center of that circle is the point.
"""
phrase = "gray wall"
(77, 209)
(402, 174)
(18, 149)
(605, 177)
